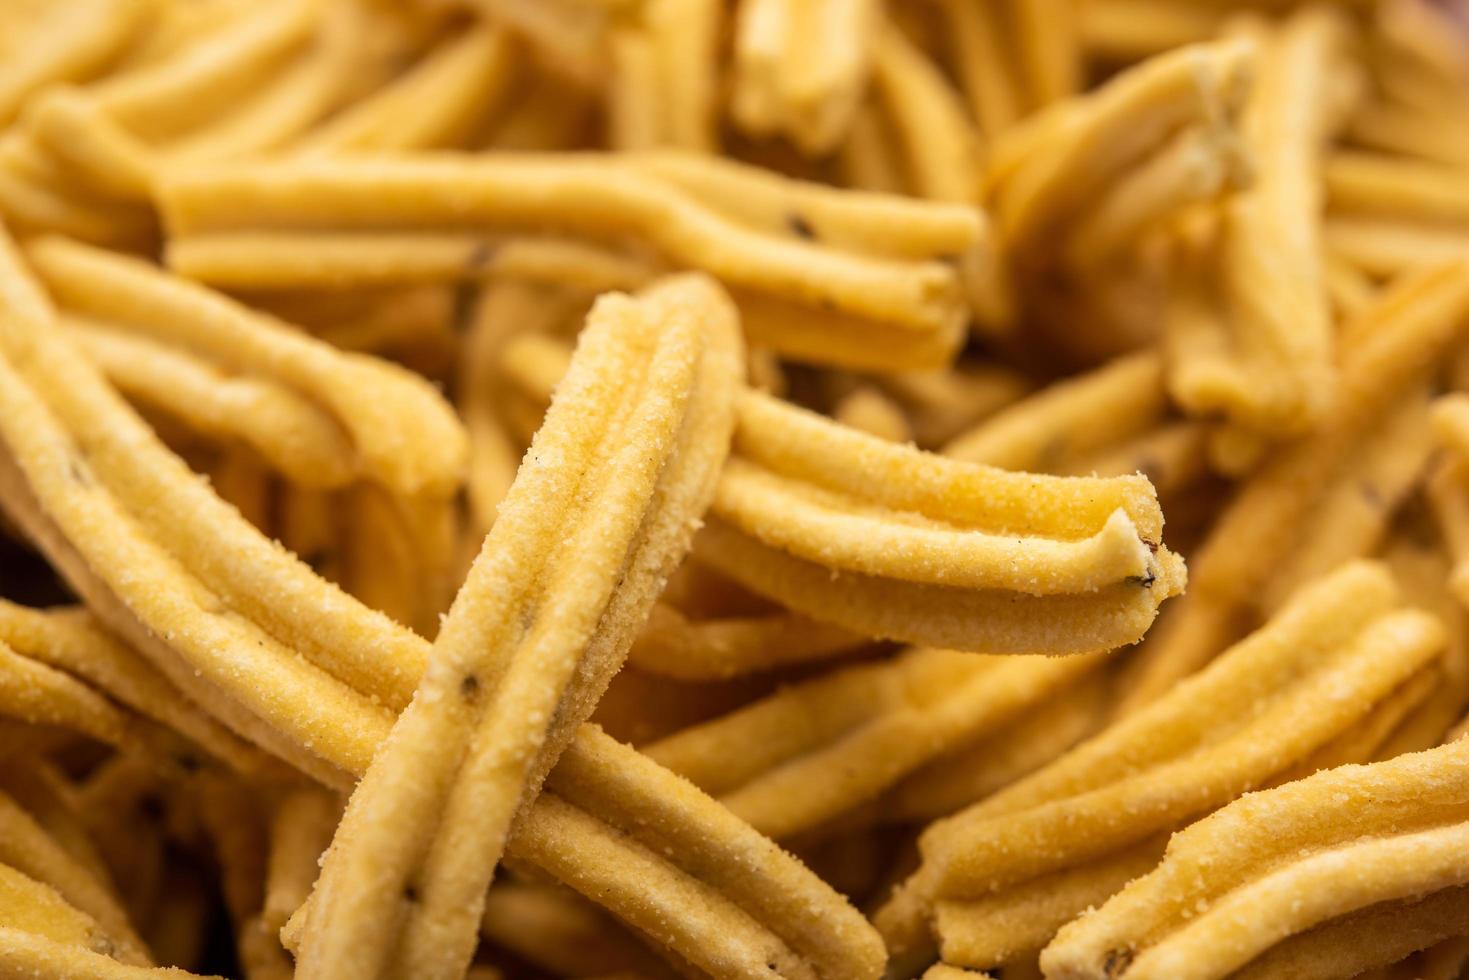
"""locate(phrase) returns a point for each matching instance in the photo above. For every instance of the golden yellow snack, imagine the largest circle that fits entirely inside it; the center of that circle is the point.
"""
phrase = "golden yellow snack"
(1276, 863)
(803, 498)
(810, 753)
(405, 434)
(619, 475)
(1014, 925)
(1398, 344)
(1266, 363)
(27, 849)
(1243, 719)
(917, 302)
(556, 930)
(673, 644)
(1059, 160)
(800, 68)
(65, 44)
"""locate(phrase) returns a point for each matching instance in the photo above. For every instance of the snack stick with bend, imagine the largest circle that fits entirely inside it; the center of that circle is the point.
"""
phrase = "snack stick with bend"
(1397, 346)
(672, 643)
(973, 771)
(836, 742)
(601, 512)
(28, 849)
(1277, 863)
(1047, 170)
(1272, 372)
(915, 540)
(280, 701)
(893, 542)
(1211, 737)
(249, 225)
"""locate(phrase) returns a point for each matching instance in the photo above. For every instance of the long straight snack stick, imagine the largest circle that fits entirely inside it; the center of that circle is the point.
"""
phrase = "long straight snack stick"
(919, 302)
(619, 479)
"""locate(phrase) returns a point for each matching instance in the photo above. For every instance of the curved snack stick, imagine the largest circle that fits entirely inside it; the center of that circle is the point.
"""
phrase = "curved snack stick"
(31, 907)
(1078, 148)
(780, 527)
(1017, 923)
(1087, 412)
(800, 68)
(1396, 822)
(298, 439)
(71, 641)
(62, 510)
(404, 431)
(828, 938)
(720, 647)
(45, 792)
(1350, 945)
(28, 849)
(796, 479)
(37, 694)
(616, 477)
(1208, 739)
(918, 302)
(836, 742)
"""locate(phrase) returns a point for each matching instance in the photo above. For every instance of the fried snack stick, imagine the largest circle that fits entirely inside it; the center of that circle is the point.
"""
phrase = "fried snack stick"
(1378, 936)
(1277, 863)
(663, 848)
(1011, 927)
(1048, 169)
(1211, 737)
(940, 405)
(24, 954)
(665, 81)
(364, 416)
(28, 849)
(59, 496)
(799, 924)
(67, 43)
(357, 726)
(1398, 344)
(1098, 409)
(49, 796)
(557, 931)
(803, 299)
(813, 752)
(28, 906)
(296, 438)
(960, 777)
(804, 498)
(676, 645)
(801, 67)
(405, 434)
(1267, 365)
(535, 635)
(799, 499)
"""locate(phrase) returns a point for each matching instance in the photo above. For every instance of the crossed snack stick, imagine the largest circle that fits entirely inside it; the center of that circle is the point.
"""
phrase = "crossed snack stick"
(304, 698)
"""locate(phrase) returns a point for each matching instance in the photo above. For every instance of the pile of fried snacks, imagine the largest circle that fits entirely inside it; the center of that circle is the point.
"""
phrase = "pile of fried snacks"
(613, 489)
